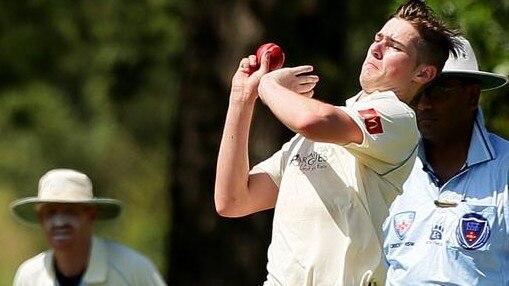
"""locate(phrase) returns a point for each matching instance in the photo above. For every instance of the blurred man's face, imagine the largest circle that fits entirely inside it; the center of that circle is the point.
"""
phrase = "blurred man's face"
(446, 108)
(67, 226)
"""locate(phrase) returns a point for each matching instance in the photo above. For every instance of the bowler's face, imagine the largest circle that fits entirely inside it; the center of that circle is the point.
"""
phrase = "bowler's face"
(67, 226)
(391, 61)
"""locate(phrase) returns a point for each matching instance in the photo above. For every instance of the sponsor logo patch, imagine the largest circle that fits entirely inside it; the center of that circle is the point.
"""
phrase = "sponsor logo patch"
(473, 231)
(402, 223)
(372, 121)
(436, 232)
(314, 160)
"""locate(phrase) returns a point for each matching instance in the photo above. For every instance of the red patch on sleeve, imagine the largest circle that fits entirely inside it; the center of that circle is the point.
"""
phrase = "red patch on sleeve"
(372, 121)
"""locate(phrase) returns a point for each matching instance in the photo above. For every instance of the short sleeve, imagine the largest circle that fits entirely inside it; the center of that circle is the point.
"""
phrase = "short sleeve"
(389, 128)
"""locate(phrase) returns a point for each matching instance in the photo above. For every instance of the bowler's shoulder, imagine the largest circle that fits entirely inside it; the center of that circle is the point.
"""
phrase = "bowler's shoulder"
(384, 102)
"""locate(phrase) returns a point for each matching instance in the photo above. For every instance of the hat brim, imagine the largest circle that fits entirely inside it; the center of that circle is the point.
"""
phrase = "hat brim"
(487, 80)
(25, 209)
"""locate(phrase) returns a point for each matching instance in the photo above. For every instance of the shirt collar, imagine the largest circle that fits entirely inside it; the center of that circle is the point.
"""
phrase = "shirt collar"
(49, 266)
(481, 149)
(98, 265)
(363, 96)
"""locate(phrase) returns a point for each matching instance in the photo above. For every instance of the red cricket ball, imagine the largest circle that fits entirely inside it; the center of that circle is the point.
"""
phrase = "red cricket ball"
(277, 57)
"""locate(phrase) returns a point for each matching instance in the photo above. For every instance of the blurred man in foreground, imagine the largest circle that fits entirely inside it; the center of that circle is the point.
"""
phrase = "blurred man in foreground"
(66, 210)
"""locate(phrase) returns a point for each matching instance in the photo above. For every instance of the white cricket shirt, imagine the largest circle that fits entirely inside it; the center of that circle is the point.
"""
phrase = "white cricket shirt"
(333, 199)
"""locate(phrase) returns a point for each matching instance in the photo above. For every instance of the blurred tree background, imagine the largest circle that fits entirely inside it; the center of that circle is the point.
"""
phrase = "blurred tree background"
(134, 93)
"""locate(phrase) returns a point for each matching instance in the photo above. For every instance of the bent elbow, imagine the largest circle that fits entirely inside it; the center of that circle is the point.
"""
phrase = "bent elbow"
(223, 210)
(227, 212)
(226, 208)
(306, 123)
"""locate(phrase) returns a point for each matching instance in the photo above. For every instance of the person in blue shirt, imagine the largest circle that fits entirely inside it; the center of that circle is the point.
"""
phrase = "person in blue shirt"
(450, 226)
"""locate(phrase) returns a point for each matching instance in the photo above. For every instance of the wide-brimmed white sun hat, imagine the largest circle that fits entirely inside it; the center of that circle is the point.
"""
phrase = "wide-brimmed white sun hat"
(64, 186)
(466, 65)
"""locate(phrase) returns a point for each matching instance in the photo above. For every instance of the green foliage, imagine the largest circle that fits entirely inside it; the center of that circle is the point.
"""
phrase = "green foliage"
(91, 85)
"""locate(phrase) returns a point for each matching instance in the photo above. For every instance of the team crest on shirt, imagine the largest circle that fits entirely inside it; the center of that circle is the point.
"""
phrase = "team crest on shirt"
(402, 223)
(473, 231)
(372, 121)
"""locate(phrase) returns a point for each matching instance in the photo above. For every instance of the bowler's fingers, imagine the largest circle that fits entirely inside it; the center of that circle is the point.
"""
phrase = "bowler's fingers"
(306, 82)
(304, 89)
(301, 70)
(252, 61)
(264, 62)
(244, 65)
(309, 93)
(248, 65)
(308, 79)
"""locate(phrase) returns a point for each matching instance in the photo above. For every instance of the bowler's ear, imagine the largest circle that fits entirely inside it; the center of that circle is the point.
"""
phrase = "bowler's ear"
(425, 74)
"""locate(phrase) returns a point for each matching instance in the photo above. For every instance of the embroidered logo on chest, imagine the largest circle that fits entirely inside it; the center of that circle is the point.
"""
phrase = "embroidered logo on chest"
(372, 121)
(402, 223)
(473, 231)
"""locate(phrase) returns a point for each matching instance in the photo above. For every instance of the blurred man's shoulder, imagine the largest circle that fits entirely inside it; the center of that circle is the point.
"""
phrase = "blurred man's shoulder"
(121, 252)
